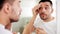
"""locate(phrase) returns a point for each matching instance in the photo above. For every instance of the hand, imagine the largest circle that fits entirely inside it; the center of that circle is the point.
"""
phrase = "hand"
(40, 31)
(35, 10)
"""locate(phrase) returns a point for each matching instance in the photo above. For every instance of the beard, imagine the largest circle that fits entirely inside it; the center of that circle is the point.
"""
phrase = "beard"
(43, 16)
(14, 20)
(14, 17)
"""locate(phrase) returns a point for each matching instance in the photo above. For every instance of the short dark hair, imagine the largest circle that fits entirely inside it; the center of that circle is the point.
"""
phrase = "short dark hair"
(4, 1)
(1, 3)
(46, 1)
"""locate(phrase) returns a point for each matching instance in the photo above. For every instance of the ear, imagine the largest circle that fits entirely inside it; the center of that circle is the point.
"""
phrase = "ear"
(7, 8)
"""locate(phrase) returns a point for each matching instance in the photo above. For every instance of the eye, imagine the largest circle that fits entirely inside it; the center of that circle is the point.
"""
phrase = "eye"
(37, 10)
(46, 8)
(40, 8)
(19, 1)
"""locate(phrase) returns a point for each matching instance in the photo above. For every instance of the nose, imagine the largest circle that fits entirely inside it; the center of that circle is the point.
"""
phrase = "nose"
(43, 10)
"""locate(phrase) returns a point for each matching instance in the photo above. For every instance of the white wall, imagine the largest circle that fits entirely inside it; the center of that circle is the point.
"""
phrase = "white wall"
(58, 16)
(27, 7)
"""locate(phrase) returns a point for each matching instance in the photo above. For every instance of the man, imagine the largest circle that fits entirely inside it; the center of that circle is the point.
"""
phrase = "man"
(47, 24)
(10, 11)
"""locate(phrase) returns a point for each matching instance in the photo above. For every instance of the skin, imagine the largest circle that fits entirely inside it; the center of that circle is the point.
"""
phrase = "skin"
(10, 13)
(44, 9)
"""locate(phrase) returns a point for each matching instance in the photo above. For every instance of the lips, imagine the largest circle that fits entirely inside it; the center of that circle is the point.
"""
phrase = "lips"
(43, 15)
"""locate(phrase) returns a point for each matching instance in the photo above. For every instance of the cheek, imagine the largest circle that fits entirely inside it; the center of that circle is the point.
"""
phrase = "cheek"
(13, 13)
(15, 9)
(48, 13)
(49, 10)
(18, 11)
(40, 11)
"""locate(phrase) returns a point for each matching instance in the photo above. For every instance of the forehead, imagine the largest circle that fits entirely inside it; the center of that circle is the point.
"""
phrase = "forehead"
(45, 4)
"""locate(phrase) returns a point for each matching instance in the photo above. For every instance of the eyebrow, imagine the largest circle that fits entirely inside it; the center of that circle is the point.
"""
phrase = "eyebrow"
(47, 5)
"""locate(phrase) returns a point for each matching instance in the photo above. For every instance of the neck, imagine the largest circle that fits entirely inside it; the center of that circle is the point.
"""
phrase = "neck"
(4, 20)
(49, 19)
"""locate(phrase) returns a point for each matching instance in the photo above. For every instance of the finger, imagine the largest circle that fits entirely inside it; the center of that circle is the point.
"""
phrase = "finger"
(39, 29)
(40, 32)
(36, 7)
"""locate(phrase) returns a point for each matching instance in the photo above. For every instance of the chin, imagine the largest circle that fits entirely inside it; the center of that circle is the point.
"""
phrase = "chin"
(43, 18)
(16, 19)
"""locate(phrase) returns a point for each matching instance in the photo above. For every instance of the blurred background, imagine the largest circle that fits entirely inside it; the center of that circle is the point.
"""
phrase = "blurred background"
(26, 14)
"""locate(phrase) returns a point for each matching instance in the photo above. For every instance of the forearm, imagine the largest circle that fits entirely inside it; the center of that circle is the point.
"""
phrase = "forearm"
(31, 22)
(29, 27)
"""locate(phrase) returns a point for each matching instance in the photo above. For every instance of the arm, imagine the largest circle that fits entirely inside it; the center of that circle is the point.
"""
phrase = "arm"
(29, 27)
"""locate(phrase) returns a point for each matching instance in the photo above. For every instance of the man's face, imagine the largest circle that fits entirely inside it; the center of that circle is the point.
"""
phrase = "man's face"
(16, 11)
(45, 10)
